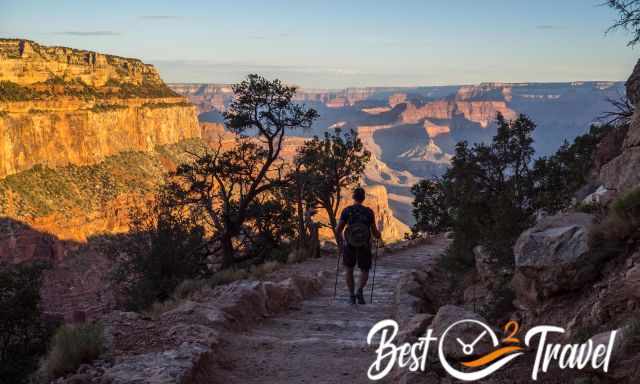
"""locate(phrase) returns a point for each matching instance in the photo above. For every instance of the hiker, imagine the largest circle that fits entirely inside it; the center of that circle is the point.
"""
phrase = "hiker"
(360, 224)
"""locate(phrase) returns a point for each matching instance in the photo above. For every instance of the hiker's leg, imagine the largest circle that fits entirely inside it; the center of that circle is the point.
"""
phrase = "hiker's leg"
(364, 264)
(349, 276)
(364, 276)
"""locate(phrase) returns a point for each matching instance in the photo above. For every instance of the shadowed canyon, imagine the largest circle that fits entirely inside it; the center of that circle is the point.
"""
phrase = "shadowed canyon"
(412, 132)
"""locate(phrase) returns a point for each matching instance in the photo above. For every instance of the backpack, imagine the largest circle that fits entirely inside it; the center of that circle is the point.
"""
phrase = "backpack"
(358, 232)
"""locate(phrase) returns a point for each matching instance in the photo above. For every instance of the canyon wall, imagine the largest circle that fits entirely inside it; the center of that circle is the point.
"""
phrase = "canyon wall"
(61, 106)
(25, 62)
(61, 132)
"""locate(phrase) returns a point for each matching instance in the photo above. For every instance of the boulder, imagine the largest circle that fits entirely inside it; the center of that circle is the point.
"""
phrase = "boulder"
(619, 346)
(631, 282)
(281, 296)
(415, 327)
(406, 298)
(623, 172)
(467, 332)
(602, 196)
(243, 301)
(553, 257)
(196, 313)
(169, 366)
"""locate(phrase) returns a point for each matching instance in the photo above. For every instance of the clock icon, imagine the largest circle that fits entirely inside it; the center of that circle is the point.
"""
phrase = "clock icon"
(483, 366)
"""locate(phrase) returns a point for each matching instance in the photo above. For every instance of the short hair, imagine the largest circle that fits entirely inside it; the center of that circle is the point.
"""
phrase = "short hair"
(359, 195)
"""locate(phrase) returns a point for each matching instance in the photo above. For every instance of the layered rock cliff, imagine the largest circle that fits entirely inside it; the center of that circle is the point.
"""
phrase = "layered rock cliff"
(61, 106)
(25, 62)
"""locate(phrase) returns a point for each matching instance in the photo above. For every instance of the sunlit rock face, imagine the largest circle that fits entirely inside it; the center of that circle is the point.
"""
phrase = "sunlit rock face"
(79, 132)
(25, 62)
(65, 106)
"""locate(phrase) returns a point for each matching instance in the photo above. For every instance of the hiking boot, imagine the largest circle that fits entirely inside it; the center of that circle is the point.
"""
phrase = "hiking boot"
(360, 297)
(352, 299)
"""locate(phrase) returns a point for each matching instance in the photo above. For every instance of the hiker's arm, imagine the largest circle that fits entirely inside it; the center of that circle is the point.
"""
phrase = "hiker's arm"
(374, 228)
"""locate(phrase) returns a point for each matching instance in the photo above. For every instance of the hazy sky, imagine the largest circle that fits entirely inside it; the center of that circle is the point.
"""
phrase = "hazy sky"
(330, 44)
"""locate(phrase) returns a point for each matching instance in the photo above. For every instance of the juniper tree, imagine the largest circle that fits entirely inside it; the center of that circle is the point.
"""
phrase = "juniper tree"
(331, 165)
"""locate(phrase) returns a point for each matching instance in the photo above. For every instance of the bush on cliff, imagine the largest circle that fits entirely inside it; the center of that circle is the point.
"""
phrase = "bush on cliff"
(24, 333)
(490, 193)
(10, 91)
(166, 249)
(486, 197)
(72, 346)
(559, 176)
(619, 228)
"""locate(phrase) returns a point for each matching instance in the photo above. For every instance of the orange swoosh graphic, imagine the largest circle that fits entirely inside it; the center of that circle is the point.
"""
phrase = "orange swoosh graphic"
(491, 357)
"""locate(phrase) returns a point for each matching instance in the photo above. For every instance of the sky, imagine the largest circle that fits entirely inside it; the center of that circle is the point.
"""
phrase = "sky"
(337, 44)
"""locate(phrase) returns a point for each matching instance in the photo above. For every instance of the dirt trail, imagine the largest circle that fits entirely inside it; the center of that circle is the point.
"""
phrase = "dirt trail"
(323, 341)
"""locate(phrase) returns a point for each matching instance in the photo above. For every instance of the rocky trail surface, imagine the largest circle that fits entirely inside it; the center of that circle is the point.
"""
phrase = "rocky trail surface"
(322, 340)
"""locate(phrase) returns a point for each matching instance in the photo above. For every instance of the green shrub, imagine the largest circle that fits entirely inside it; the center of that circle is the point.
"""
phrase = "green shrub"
(41, 190)
(166, 250)
(165, 105)
(558, 177)
(10, 91)
(72, 346)
(593, 208)
(622, 220)
(107, 107)
(485, 198)
(24, 333)
(609, 237)
(628, 207)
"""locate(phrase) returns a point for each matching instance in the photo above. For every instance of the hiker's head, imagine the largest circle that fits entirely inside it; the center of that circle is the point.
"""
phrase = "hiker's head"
(358, 195)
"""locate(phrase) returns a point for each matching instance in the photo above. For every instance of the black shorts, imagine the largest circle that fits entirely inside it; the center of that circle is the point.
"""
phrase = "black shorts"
(357, 255)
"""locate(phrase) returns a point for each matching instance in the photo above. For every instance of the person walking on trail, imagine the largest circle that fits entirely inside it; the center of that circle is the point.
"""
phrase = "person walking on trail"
(360, 224)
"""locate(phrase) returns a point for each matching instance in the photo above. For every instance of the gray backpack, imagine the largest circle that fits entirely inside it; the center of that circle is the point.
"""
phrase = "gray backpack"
(358, 232)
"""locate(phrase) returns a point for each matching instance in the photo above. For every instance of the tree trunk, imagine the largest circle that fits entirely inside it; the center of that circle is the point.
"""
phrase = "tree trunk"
(334, 226)
(227, 251)
(302, 233)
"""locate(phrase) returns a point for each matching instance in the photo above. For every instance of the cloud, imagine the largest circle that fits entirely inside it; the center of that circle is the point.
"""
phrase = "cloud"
(548, 27)
(159, 17)
(88, 33)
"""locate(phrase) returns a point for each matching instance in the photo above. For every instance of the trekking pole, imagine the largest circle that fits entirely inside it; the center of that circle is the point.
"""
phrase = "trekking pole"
(375, 264)
(335, 287)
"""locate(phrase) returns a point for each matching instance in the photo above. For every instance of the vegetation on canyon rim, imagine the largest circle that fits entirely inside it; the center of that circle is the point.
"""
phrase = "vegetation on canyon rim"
(52, 88)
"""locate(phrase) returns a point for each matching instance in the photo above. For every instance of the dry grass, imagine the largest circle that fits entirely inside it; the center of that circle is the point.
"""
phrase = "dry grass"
(619, 226)
(186, 289)
(71, 347)
(260, 271)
